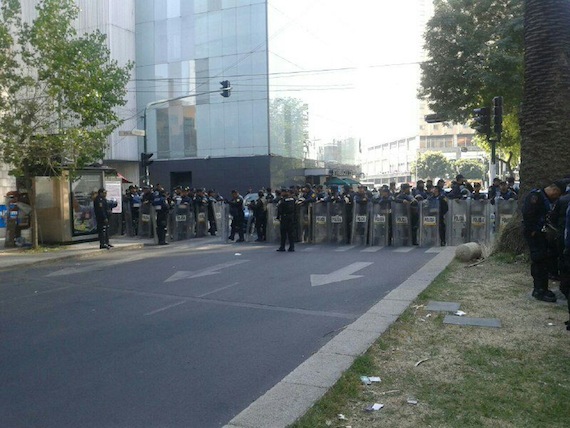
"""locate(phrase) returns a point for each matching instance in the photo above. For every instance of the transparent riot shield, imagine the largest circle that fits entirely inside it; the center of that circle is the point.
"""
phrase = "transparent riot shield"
(218, 207)
(361, 215)
(249, 225)
(201, 220)
(181, 222)
(429, 223)
(304, 222)
(337, 223)
(146, 229)
(127, 212)
(479, 224)
(320, 223)
(505, 209)
(457, 230)
(224, 222)
(273, 225)
(401, 225)
(380, 225)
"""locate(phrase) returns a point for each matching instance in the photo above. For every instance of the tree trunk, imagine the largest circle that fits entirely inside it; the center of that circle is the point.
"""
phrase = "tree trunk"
(544, 120)
(545, 124)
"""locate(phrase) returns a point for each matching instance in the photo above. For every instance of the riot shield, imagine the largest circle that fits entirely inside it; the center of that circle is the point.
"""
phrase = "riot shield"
(273, 225)
(249, 226)
(479, 225)
(201, 220)
(320, 222)
(361, 215)
(218, 207)
(380, 225)
(127, 212)
(337, 223)
(429, 223)
(505, 209)
(401, 225)
(182, 222)
(304, 222)
(146, 229)
(458, 213)
(224, 222)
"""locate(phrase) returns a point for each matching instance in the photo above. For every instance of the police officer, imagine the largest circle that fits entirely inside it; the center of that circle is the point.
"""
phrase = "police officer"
(286, 214)
(260, 216)
(101, 208)
(161, 206)
(536, 211)
(438, 200)
(238, 216)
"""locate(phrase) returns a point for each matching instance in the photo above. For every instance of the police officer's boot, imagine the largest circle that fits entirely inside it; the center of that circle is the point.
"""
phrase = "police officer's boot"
(544, 294)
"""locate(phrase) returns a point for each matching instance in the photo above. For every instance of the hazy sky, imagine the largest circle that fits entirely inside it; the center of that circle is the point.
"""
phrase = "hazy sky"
(354, 63)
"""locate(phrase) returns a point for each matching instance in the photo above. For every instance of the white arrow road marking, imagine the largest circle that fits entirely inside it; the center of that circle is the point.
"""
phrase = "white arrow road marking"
(213, 270)
(339, 275)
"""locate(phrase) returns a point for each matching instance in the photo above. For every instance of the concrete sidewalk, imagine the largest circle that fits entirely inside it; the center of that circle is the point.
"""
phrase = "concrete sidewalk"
(19, 257)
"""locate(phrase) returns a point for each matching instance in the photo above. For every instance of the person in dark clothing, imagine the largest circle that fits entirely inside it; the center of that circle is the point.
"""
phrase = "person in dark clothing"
(438, 199)
(537, 210)
(260, 215)
(238, 216)
(101, 208)
(286, 214)
(211, 212)
(161, 206)
(477, 195)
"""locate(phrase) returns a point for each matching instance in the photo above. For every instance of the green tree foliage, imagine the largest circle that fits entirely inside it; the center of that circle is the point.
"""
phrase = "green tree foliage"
(475, 52)
(289, 127)
(472, 169)
(432, 165)
(59, 90)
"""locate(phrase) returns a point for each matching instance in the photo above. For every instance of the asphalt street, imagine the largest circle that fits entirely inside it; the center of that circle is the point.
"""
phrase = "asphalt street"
(180, 336)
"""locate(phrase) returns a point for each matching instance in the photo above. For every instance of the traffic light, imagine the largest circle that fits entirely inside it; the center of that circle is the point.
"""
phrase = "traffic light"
(482, 121)
(226, 88)
(145, 159)
(498, 114)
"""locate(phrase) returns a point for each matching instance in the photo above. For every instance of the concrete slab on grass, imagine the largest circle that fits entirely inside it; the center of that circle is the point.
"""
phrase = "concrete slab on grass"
(442, 306)
(477, 322)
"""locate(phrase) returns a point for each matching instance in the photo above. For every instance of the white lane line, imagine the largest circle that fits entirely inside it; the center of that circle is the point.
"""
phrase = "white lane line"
(165, 308)
(435, 249)
(403, 249)
(371, 249)
(218, 289)
(350, 247)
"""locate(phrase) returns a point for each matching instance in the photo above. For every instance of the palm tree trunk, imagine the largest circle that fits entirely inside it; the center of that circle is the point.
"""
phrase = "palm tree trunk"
(545, 117)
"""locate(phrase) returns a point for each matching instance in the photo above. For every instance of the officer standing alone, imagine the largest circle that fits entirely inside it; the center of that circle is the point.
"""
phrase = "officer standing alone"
(537, 210)
(101, 208)
(286, 215)
(161, 206)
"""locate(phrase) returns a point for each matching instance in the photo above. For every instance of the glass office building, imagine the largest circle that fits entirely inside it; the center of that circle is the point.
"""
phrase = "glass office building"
(184, 49)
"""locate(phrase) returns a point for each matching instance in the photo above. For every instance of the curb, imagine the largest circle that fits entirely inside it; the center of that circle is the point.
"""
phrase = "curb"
(297, 392)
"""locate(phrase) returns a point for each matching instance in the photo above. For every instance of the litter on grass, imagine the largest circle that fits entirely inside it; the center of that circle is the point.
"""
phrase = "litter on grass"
(374, 407)
(421, 361)
(460, 313)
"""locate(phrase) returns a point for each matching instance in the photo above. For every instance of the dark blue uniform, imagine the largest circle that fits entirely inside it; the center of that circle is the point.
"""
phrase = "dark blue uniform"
(536, 212)
(161, 207)
(286, 214)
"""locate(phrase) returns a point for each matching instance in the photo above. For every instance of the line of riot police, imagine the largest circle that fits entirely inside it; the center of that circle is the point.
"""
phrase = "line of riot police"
(425, 216)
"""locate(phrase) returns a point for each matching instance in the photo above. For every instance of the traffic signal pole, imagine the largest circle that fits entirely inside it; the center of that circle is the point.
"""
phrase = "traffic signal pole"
(225, 91)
